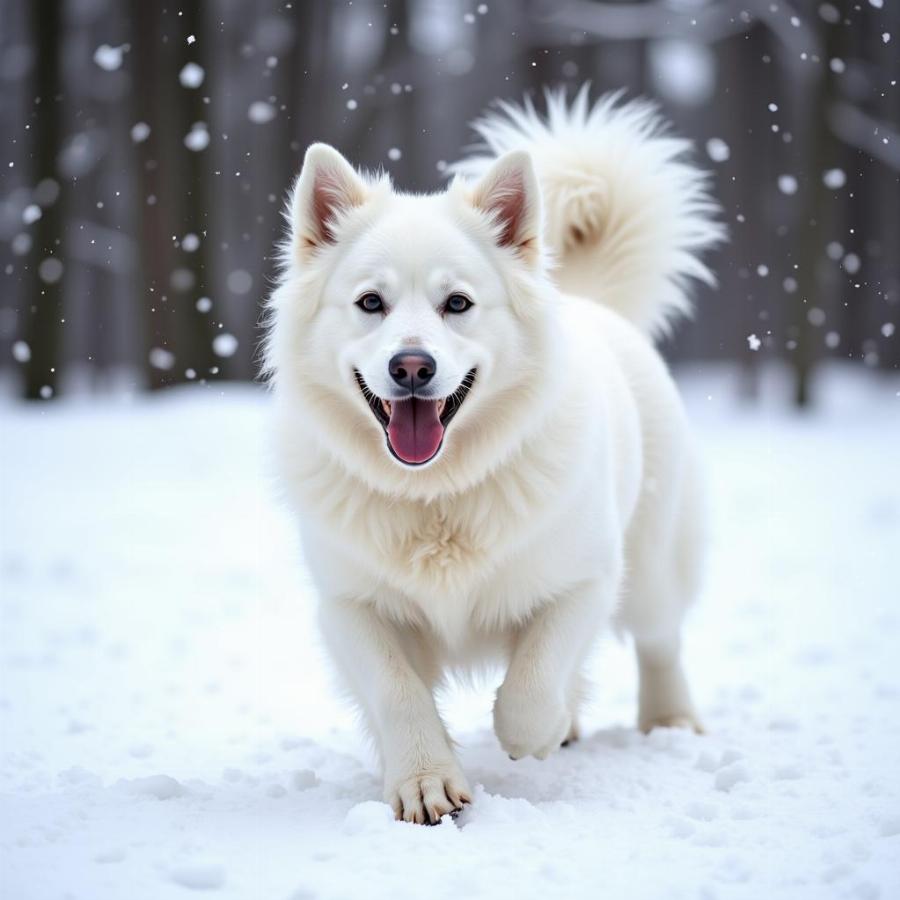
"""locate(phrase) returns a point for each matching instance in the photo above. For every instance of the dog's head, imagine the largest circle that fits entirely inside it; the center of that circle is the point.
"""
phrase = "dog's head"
(407, 328)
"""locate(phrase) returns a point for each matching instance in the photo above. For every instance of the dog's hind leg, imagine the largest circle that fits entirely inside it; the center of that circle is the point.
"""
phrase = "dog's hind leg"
(664, 557)
(664, 699)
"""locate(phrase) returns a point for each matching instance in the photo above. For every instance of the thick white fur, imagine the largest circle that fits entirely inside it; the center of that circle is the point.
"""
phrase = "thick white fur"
(566, 496)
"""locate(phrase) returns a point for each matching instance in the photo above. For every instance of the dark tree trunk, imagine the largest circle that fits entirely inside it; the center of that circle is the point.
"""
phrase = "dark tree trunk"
(195, 350)
(154, 192)
(820, 150)
(45, 303)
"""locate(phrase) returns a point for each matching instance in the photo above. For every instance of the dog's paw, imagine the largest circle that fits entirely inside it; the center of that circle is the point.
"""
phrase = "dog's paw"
(687, 721)
(425, 797)
(528, 724)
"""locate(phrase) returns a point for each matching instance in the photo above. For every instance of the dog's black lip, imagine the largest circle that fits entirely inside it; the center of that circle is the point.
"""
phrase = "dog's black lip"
(451, 407)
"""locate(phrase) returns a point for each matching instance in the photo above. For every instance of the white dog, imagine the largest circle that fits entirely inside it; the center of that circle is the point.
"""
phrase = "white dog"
(488, 458)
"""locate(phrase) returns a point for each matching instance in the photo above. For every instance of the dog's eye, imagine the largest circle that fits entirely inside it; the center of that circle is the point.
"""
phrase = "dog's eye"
(457, 303)
(370, 303)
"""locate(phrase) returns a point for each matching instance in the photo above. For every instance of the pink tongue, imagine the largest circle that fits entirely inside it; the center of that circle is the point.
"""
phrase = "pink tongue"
(415, 429)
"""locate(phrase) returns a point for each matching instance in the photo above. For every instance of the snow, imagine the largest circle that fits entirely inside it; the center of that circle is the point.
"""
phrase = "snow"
(683, 71)
(21, 351)
(717, 150)
(110, 58)
(197, 138)
(239, 281)
(787, 184)
(31, 213)
(834, 178)
(261, 112)
(225, 344)
(169, 724)
(140, 131)
(160, 358)
(753, 342)
(21, 244)
(851, 263)
(192, 75)
(394, 154)
(50, 270)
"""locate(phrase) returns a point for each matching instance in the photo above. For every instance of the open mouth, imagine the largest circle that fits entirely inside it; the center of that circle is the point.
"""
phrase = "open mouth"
(414, 426)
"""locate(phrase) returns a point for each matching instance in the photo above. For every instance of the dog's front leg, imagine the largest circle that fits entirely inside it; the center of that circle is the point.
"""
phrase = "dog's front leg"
(536, 704)
(422, 779)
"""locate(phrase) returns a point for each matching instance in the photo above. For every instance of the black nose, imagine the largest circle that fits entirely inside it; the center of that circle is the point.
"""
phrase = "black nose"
(413, 369)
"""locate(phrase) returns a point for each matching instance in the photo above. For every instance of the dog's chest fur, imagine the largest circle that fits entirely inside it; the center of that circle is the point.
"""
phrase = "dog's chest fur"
(476, 558)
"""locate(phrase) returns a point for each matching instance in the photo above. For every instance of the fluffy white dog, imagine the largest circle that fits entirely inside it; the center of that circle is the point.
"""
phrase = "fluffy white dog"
(488, 458)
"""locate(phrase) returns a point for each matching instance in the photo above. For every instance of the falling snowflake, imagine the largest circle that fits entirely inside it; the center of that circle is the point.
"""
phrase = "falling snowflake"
(190, 242)
(225, 345)
(160, 358)
(394, 154)
(240, 281)
(717, 150)
(197, 138)
(888, 329)
(50, 270)
(31, 213)
(110, 58)
(140, 131)
(192, 75)
(851, 263)
(787, 184)
(753, 342)
(22, 352)
(834, 179)
(261, 112)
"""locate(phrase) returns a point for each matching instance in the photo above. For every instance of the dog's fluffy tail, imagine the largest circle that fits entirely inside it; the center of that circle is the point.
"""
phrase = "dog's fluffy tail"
(625, 215)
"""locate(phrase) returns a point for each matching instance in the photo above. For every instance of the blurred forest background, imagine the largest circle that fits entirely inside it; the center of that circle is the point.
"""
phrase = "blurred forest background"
(148, 147)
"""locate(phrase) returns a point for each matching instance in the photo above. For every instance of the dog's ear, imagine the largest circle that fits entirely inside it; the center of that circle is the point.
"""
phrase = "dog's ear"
(509, 193)
(327, 186)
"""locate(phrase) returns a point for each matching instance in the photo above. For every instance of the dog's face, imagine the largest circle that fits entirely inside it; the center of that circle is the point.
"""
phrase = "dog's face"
(414, 328)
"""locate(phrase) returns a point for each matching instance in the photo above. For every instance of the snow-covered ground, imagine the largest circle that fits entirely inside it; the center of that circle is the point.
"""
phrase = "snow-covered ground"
(169, 724)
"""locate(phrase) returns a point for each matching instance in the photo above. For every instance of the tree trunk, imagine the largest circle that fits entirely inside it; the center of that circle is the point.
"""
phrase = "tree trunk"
(45, 305)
